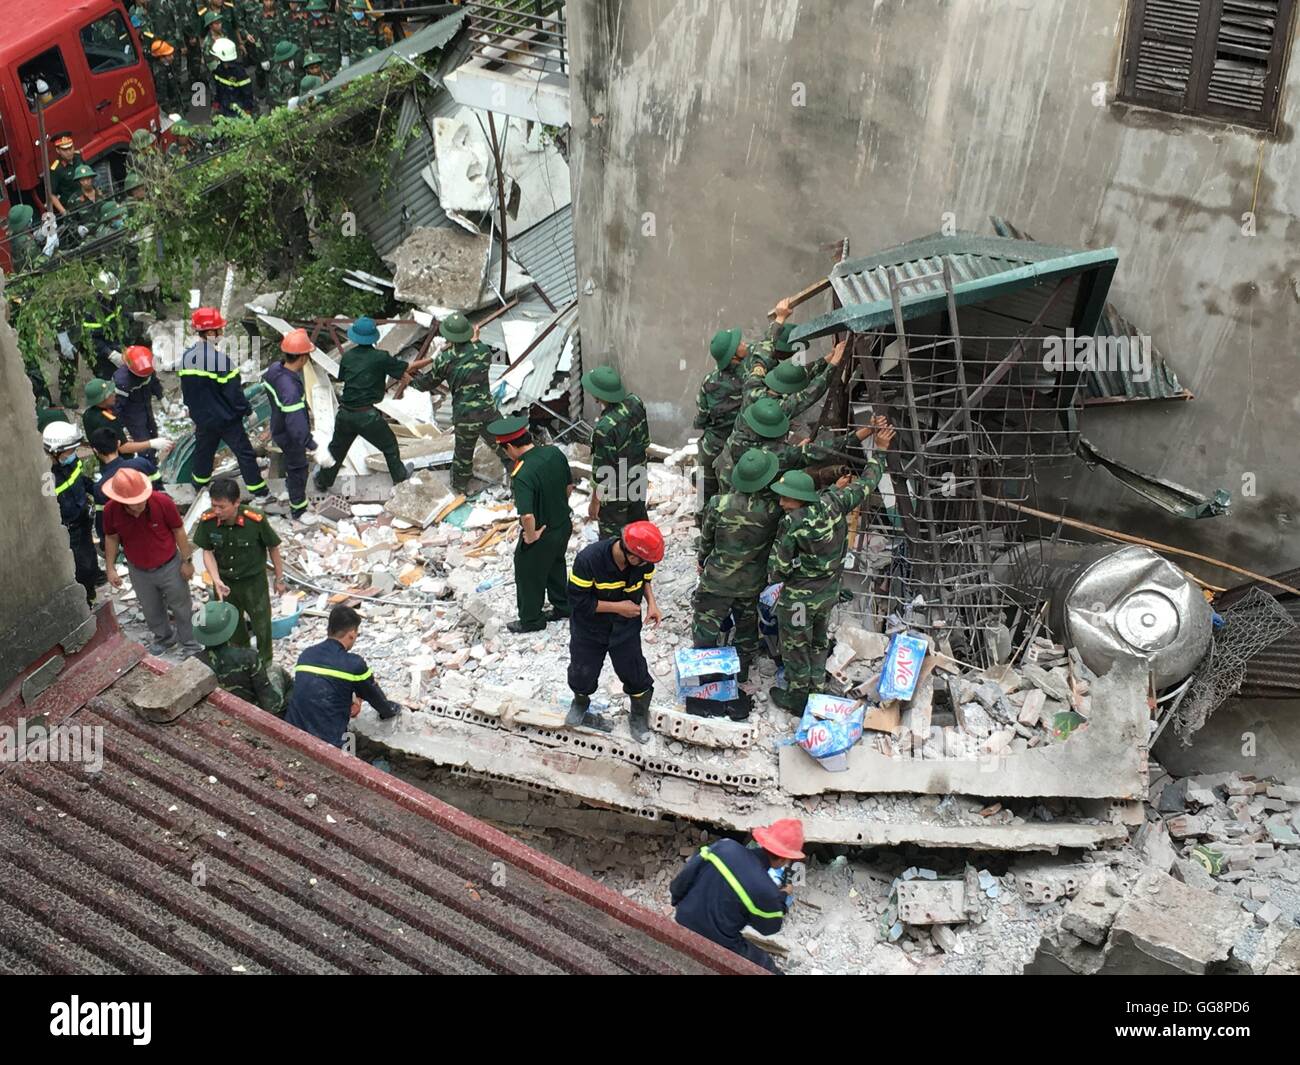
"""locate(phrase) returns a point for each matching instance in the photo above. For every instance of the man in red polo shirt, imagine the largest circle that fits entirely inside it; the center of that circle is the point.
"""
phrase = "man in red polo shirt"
(149, 529)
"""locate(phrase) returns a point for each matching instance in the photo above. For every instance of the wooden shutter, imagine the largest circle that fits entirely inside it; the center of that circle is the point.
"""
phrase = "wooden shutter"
(1161, 53)
(1245, 59)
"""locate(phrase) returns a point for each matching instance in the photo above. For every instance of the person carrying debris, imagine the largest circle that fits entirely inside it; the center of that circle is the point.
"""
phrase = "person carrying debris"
(148, 528)
(619, 442)
(101, 400)
(808, 557)
(136, 386)
(290, 422)
(239, 670)
(365, 371)
(727, 887)
(464, 366)
(542, 481)
(109, 456)
(215, 398)
(236, 541)
(74, 492)
(717, 406)
(775, 347)
(609, 581)
(329, 676)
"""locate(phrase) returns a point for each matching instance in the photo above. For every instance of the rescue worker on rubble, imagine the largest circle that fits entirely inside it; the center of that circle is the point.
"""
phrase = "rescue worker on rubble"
(365, 371)
(103, 332)
(808, 557)
(541, 481)
(463, 365)
(74, 492)
(609, 581)
(136, 386)
(109, 457)
(215, 398)
(236, 542)
(717, 406)
(100, 413)
(233, 86)
(619, 442)
(239, 670)
(290, 422)
(329, 680)
(727, 886)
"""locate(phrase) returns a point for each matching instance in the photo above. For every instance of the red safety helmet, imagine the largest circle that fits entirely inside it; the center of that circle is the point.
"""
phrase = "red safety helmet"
(783, 838)
(644, 540)
(296, 342)
(139, 360)
(206, 318)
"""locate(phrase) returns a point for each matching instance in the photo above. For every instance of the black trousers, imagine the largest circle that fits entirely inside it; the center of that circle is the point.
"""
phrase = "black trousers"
(588, 647)
(295, 472)
(85, 561)
(207, 438)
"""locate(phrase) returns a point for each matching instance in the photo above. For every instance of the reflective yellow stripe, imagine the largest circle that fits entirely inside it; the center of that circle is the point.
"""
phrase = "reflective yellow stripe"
(649, 575)
(72, 479)
(579, 581)
(607, 585)
(232, 84)
(275, 398)
(221, 379)
(730, 878)
(255, 487)
(518, 466)
(322, 671)
(634, 587)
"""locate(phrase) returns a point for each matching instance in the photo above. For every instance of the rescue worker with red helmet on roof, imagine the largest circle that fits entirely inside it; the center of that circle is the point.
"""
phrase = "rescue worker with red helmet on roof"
(136, 386)
(215, 397)
(607, 586)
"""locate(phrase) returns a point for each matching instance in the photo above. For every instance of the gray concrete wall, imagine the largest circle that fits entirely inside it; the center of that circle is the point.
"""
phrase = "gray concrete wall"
(685, 109)
(40, 604)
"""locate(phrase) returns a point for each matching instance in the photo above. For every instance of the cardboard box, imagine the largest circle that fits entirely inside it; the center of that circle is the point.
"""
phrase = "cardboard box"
(695, 662)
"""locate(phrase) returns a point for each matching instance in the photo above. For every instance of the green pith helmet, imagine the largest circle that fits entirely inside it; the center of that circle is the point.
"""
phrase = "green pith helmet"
(723, 346)
(141, 139)
(787, 379)
(372, 50)
(215, 624)
(312, 59)
(20, 218)
(358, 5)
(317, 7)
(782, 342)
(767, 419)
(604, 383)
(83, 171)
(456, 328)
(284, 51)
(98, 390)
(754, 470)
(309, 84)
(795, 484)
(133, 181)
(111, 212)
(209, 17)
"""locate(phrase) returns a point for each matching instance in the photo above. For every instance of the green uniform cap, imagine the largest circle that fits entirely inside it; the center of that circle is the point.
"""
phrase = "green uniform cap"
(20, 218)
(141, 139)
(133, 181)
(317, 6)
(372, 50)
(456, 328)
(723, 346)
(209, 17)
(795, 484)
(98, 390)
(767, 419)
(604, 383)
(310, 83)
(782, 341)
(359, 5)
(787, 379)
(111, 212)
(284, 51)
(754, 471)
(508, 427)
(83, 171)
(218, 624)
(312, 59)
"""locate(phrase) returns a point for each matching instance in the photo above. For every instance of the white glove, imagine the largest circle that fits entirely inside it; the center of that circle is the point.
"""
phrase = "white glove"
(65, 346)
(51, 246)
(266, 64)
(115, 357)
(161, 443)
(82, 231)
(346, 61)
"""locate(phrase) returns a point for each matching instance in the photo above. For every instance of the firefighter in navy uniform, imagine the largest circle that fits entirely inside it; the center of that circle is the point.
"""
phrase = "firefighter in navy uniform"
(109, 455)
(329, 677)
(727, 886)
(609, 581)
(290, 423)
(74, 491)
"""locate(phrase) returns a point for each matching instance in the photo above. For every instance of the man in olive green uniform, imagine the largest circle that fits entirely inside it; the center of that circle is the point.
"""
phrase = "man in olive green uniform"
(322, 36)
(717, 405)
(357, 31)
(619, 442)
(164, 64)
(236, 541)
(239, 670)
(464, 366)
(541, 481)
(365, 371)
(24, 253)
(284, 76)
(63, 185)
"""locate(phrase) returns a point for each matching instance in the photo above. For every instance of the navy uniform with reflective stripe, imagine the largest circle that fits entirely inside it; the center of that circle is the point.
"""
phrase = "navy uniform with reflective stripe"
(134, 403)
(72, 490)
(234, 90)
(722, 889)
(106, 471)
(325, 679)
(290, 428)
(596, 578)
(215, 398)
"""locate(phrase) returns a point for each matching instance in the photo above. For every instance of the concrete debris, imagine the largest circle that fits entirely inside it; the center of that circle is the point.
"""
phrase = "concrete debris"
(1091, 913)
(932, 902)
(165, 697)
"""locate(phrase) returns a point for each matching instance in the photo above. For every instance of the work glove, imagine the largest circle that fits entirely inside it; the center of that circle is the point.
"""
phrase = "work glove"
(82, 231)
(266, 64)
(51, 246)
(346, 61)
(66, 350)
(115, 357)
(162, 443)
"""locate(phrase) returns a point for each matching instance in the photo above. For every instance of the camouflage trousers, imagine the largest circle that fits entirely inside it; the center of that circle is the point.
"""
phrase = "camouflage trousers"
(616, 513)
(804, 617)
(468, 433)
(710, 447)
(711, 608)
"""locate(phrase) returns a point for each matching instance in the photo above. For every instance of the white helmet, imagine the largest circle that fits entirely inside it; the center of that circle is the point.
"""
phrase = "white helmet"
(224, 49)
(106, 283)
(59, 436)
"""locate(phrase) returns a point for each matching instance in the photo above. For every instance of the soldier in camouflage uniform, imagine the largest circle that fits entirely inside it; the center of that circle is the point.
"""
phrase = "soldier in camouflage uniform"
(260, 26)
(321, 35)
(735, 540)
(808, 557)
(164, 65)
(357, 31)
(284, 76)
(239, 670)
(717, 406)
(619, 443)
(464, 366)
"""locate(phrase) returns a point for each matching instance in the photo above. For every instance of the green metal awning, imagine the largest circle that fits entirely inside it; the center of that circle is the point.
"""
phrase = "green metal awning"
(983, 268)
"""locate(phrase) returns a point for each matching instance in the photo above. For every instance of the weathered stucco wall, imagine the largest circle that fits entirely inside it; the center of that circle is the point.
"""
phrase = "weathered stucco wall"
(686, 110)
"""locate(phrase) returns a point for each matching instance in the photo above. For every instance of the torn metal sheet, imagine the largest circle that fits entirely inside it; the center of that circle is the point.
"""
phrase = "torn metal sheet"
(1167, 495)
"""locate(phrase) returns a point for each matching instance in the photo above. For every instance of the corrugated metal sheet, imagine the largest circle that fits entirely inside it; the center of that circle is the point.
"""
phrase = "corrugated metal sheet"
(1274, 671)
(191, 850)
(983, 268)
(432, 36)
(546, 251)
(551, 365)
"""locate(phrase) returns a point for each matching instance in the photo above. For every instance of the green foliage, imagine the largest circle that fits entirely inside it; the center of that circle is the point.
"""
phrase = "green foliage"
(319, 290)
(43, 304)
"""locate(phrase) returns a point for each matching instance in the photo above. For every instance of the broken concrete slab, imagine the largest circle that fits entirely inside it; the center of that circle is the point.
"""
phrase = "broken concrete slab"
(165, 697)
(1062, 953)
(932, 902)
(1153, 844)
(1168, 928)
(442, 269)
(1091, 913)
(419, 499)
(704, 731)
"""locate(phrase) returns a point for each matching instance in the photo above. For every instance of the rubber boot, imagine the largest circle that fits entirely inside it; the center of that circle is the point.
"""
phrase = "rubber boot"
(789, 700)
(638, 721)
(577, 710)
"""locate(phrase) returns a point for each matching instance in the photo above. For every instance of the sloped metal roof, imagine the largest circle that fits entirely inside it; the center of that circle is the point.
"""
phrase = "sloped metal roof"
(546, 251)
(983, 268)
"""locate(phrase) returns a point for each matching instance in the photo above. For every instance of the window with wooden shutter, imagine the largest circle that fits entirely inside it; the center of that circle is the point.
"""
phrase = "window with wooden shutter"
(1218, 58)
